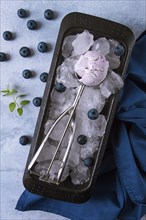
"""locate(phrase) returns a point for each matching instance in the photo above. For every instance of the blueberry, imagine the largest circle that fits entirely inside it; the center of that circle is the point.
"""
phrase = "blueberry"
(82, 139)
(26, 74)
(7, 35)
(22, 13)
(23, 140)
(88, 162)
(48, 14)
(59, 87)
(24, 51)
(37, 101)
(42, 47)
(119, 50)
(93, 114)
(43, 77)
(3, 57)
(32, 25)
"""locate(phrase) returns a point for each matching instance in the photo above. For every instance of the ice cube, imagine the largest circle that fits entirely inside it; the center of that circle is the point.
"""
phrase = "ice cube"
(62, 153)
(67, 47)
(90, 147)
(46, 153)
(104, 90)
(111, 84)
(114, 61)
(82, 43)
(116, 81)
(80, 175)
(102, 45)
(73, 158)
(91, 98)
(60, 102)
(92, 129)
(57, 97)
(100, 126)
(41, 167)
(59, 128)
(55, 169)
(48, 125)
(70, 63)
(66, 74)
(113, 43)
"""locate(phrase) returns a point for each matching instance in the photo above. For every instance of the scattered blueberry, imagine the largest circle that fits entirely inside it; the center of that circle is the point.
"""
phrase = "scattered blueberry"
(37, 101)
(26, 74)
(23, 140)
(3, 57)
(88, 162)
(32, 25)
(82, 139)
(93, 114)
(22, 13)
(43, 77)
(59, 87)
(48, 14)
(24, 51)
(119, 50)
(7, 35)
(42, 47)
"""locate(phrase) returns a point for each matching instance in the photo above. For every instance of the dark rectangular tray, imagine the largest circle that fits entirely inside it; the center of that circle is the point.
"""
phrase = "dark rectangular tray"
(71, 24)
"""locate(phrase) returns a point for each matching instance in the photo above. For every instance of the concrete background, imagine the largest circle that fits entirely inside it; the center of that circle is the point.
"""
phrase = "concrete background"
(13, 155)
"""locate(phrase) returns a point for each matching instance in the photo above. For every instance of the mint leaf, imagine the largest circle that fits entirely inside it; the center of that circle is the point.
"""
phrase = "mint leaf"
(21, 96)
(12, 106)
(20, 111)
(24, 102)
(6, 94)
(13, 91)
(5, 91)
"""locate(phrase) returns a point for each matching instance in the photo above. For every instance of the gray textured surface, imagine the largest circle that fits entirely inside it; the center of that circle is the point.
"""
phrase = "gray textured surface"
(13, 156)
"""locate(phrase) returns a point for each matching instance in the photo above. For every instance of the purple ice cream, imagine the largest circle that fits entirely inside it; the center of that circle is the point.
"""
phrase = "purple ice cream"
(92, 68)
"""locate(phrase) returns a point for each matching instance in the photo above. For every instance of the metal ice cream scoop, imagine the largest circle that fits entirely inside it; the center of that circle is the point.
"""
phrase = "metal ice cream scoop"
(70, 123)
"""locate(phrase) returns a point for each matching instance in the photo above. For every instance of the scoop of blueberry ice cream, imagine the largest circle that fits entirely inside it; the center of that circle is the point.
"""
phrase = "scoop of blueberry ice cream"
(91, 68)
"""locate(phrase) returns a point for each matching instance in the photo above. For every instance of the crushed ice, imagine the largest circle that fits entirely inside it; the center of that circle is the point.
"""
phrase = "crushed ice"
(78, 51)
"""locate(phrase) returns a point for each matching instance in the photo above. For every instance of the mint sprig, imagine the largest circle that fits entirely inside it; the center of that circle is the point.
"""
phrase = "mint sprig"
(18, 105)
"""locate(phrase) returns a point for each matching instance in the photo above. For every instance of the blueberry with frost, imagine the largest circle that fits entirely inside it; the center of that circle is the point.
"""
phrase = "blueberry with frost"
(93, 114)
(88, 162)
(37, 101)
(59, 87)
(119, 50)
(82, 139)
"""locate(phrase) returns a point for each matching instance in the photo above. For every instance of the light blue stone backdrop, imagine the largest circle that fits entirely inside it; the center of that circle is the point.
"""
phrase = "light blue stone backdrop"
(13, 155)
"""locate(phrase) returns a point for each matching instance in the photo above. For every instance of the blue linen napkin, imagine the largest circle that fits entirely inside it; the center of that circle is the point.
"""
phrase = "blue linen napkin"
(121, 187)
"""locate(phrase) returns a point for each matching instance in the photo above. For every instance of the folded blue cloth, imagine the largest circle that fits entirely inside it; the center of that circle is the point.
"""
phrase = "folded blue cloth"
(121, 187)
